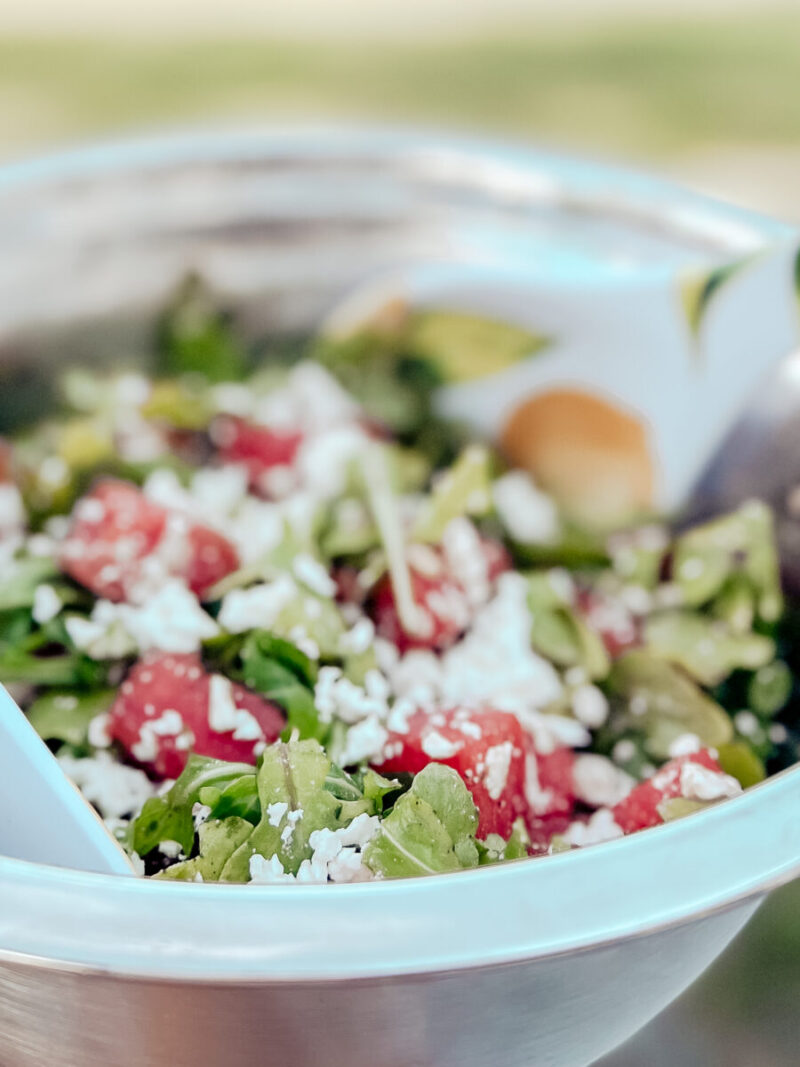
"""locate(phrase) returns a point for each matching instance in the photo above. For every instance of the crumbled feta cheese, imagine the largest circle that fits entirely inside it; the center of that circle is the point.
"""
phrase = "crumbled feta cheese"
(747, 723)
(466, 559)
(599, 828)
(701, 783)
(598, 782)
(529, 515)
(268, 871)
(98, 734)
(364, 742)
(493, 665)
(12, 508)
(224, 716)
(623, 751)
(358, 639)
(336, 697)
(172, 620)
(276, 812)
(116, 790)
(685, 745)
(257, 607)
(313, 575)
(590, 706)
(438, 747)
(323, 460)
(200, 814)
(171, 849)
(46, 603)
(498, 762)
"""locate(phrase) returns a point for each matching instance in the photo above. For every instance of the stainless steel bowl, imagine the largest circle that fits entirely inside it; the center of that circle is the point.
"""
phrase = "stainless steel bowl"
(552, 961)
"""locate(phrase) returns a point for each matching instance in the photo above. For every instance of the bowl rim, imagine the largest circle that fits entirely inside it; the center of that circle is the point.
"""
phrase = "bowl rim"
(558, 904)
(640, 885)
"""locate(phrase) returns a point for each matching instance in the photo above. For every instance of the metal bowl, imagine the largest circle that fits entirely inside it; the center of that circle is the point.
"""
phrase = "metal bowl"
(550, 961)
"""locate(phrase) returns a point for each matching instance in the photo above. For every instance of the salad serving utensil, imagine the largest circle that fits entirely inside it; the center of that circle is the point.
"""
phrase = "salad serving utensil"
(550, 962)
(45, 817)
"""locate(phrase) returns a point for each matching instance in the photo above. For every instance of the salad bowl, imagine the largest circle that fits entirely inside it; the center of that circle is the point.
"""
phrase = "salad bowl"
(686, 303)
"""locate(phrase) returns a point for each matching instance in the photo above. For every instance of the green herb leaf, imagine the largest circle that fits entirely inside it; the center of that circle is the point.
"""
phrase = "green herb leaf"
(292, 775)
(169, 817)
(64, 714)
(740, 543)
(218, 840)
(195, 337)
(464, 489)
(704, 647)
(656, 699)
(430, 829)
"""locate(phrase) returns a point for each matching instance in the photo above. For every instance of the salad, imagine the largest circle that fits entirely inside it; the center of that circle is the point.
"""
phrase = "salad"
(282, 623)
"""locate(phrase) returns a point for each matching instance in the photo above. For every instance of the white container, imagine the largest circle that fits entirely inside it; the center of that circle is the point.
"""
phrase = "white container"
(549, 962)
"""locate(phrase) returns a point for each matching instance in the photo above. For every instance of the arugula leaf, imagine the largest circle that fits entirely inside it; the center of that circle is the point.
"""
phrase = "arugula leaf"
(705, 648)
(740, 543)
(169, 817)
(430, 829)
(19, 583)
(559, 634)
(64, 714)
(218, 840)
(275, 668)
(656, 699)
(195, 337)
(294, 803)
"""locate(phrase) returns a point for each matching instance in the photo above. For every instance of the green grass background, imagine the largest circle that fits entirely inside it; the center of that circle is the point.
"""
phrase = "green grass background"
(717, 101)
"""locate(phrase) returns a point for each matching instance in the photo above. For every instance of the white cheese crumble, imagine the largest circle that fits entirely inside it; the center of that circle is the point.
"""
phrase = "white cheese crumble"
(224, 716)
(701, 783)
(529, 515)
(172, 620)
(599, 828)
(313, 575)
(492, 666)
(276, 812)
(257, 607)
(590, 706)
(116, 790)
(685, 745)
(98, 735)
(599, 782)
(466, 559)
(498, 762)
(12, 508)
(46, 603)
(438, 747)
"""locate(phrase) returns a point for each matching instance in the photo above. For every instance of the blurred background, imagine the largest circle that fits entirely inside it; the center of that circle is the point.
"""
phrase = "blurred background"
(707, 91)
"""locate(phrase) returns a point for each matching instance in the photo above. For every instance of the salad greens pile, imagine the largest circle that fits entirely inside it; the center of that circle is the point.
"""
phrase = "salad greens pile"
(381, 580)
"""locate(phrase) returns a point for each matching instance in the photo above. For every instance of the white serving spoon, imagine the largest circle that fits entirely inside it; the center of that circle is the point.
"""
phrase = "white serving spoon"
(45, 817)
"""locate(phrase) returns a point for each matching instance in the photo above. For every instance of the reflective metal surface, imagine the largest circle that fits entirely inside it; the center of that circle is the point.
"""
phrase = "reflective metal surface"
(546, 962)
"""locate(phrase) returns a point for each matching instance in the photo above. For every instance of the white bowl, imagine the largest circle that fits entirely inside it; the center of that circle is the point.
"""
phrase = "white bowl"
(551, 961)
